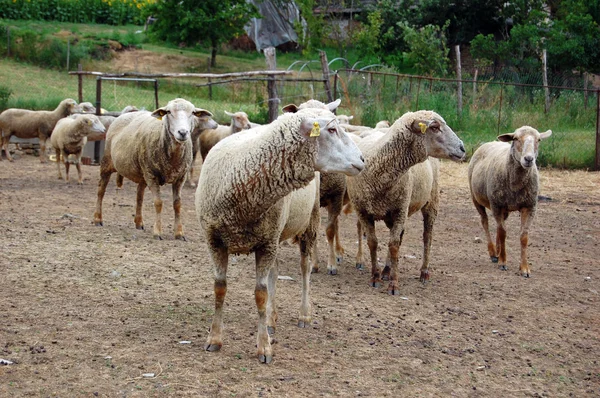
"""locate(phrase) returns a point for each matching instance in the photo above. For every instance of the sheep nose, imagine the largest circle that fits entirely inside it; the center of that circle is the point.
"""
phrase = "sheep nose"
(529, 158)
(183, 133)
(462, 148)
(362, 158)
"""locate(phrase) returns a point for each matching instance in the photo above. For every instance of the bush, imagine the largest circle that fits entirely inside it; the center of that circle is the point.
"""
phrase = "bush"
(5, 93)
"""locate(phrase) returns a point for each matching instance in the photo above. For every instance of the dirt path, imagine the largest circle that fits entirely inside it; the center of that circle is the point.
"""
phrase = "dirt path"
(88, 310)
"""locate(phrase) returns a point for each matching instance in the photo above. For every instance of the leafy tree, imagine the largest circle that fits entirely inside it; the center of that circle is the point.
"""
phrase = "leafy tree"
(366, 39)
(428, 52)
(209, 22)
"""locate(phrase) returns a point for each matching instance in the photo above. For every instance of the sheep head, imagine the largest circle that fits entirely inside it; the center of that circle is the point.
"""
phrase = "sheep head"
(336, 152)
(525, 142)
(239, 120)
(440, 140)
(332, 106)
(178, 117)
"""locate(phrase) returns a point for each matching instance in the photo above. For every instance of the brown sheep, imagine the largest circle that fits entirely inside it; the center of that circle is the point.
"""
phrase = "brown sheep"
(24, 123)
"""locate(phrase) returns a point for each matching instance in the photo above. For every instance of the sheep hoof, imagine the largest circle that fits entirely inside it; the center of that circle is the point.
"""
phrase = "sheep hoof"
(375, 284)
(424, 276)
(494, 259)
(360, 266)
(139, 227)
(385, 274)
(265, 358)
(158, 237)
(99, 223)
(393, 292)
(332, 271)
(503, 268)
(525, 274)
(271, 330)
(181, 237)
(212, 347)
(303, 324)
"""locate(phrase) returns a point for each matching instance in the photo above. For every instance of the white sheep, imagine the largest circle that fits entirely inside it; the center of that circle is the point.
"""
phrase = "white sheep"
(106, 120)
(200, 127)
(503, 177)
(258, 188)
(151, 149)
(344, 119)
(332, 188)
(70, 136)
(398, 181)
(239, 122)
(24, 123)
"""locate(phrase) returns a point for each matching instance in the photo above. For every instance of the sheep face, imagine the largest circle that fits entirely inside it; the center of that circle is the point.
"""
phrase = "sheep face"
(178, 119)
(239, 120)
(87, 107)
(93, 124)
(344, 119)
(525, 141)
(440, 140)
(336, 153)
(204, 123)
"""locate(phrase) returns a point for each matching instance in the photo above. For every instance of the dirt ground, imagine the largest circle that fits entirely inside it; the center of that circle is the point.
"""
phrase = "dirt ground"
(88, 311)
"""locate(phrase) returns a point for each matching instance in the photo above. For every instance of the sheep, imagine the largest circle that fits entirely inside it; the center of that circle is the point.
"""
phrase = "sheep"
(399, 180)
(258, 188)
(331, 195)
(151, 149)
(239, 122)
(106, 120)
(503, 177)
(344, 119)
(70, 136)
(201, 125)
(24, 123)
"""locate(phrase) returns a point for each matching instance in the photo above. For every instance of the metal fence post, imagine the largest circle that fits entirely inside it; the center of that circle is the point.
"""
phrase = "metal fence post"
(156, 93)
(98, 113)
(79, 84)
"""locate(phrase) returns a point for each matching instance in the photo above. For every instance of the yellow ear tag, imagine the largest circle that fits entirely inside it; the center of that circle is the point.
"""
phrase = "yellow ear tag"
(316, 130)
(159, 118)
(423, 127)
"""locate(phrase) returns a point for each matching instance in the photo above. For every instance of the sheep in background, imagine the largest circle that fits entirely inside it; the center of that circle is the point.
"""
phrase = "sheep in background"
(24, 123)
(344, 119)
(69, 138)
(106, 120)
(331, 195)
(151, 149)
(398, 181)
(503, 177)
(258, 188)
(200, 126)
(239, 122)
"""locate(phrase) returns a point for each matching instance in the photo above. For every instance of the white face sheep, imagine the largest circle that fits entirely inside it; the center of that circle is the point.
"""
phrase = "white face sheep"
(249, 199)
(24, 123)
(151, 149)
(239, 122)
(69, 138)
(332, 188)
(398, 181)
(503, 177)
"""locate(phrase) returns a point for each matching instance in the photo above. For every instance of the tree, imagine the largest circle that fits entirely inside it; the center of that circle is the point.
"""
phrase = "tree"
(209, 22)
(428, 52)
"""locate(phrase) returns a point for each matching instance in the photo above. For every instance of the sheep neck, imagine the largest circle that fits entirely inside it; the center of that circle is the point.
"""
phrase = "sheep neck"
(276, 164)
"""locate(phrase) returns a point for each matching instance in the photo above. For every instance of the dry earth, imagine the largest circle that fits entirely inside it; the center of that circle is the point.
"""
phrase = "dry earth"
(87, 311)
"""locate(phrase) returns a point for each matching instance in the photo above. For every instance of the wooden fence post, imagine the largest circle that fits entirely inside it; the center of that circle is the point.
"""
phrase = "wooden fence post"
(79, 84)
(597, 160)
(475, 85)
(459, 104)
(325, 68)
(545, 81)
(586, 79)
(209, 85)
(270, 57)
(156, 93)
(96, 159)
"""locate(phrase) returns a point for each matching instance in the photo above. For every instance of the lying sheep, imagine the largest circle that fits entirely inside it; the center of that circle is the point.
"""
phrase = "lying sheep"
(398, 181)
(239, 122)
(200, 126)
(69, 138)
(151, 149)
(503, 177)
(331, 195)
(24, 123)
(258, 188)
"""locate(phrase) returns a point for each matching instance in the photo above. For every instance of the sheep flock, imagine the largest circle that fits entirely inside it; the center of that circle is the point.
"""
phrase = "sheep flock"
(262, 185)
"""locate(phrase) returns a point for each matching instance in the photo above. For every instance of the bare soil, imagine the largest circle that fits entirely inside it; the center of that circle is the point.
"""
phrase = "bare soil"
(88, 311)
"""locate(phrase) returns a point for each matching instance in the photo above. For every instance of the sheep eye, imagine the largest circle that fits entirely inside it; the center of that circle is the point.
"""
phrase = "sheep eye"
(332, 130)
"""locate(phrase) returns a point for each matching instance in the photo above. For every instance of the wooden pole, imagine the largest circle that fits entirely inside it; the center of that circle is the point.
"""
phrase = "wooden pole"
(68, 52)
(335, 84)
(96, 159)
(270, 57)
(325, 69)
(475, 85)
(500, 109)
(586, 79)
(209, 80)
(545, 81)
(156, 94)
(80, 84)
(459, 104)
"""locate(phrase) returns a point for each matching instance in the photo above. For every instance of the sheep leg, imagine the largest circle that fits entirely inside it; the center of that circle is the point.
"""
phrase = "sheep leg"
(119, 182)
(158, 204)
(376, 280)
(527, 216)
(429, 216)
(486, 229)
(105, 174)
(271, 304)
(332, 231)
(5, 141)
(177, 185)
(58, 151)
(305, 317)
(79, 174)
(360, 264)
(43, 139)
(501, 238)
(265, 260)
(139, 202)
(67, 166)
(315, 259)
(219, 255)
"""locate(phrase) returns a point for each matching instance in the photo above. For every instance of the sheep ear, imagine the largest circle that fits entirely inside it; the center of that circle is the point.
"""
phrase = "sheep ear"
(310, 128)
(198, 112)
(419, 126)
(350, 117)
(545, 135)
(332, 106)
(291, 108)
(159, 113)
(507, 137)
